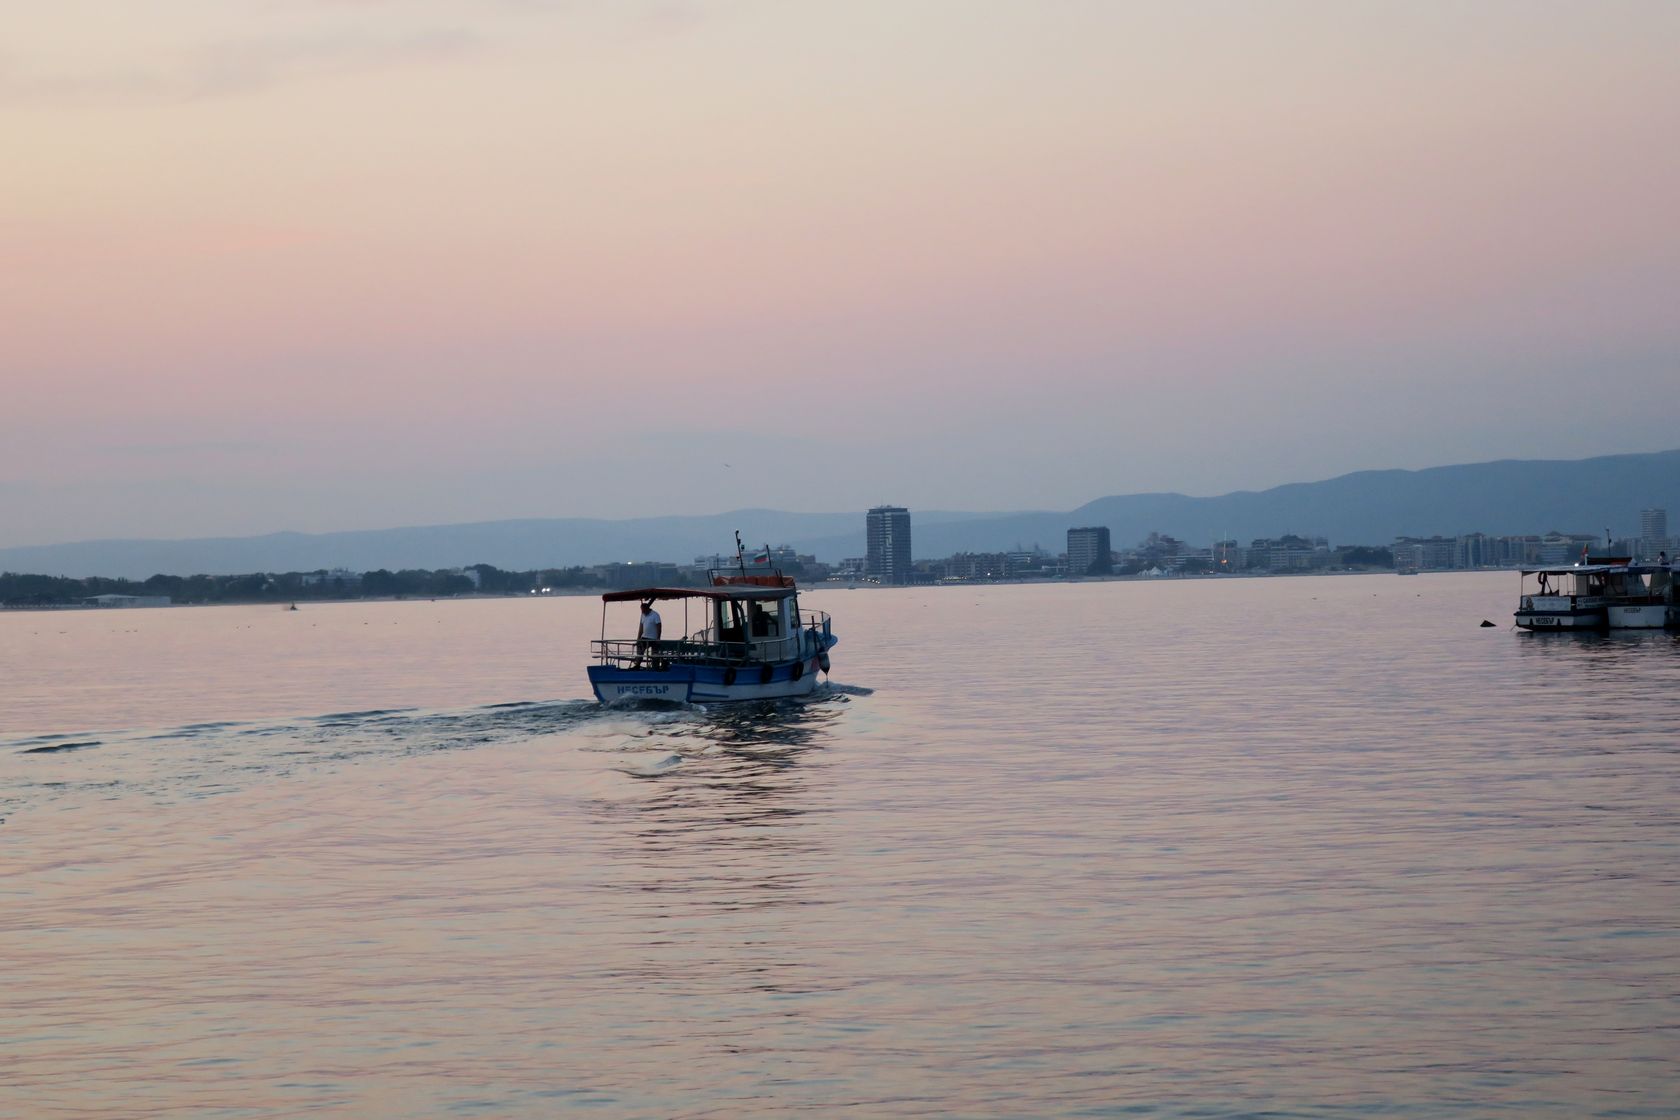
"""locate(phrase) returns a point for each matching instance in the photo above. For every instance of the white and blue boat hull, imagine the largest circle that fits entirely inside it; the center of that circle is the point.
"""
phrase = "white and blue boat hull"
(680, 683)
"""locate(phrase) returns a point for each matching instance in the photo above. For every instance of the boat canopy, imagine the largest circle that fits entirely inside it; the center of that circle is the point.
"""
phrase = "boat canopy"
(1578, 569)
(736, 593)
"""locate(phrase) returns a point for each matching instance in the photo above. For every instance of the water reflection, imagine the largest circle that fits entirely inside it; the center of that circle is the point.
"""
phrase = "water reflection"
(711, 861)
(1596, 651)
(1562, 640)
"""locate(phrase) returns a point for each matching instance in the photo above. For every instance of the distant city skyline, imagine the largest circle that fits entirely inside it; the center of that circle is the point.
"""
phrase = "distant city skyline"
(330, 266)
(888, 564)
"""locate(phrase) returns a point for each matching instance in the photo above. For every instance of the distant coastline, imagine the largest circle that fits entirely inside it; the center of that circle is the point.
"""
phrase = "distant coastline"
(29, 592)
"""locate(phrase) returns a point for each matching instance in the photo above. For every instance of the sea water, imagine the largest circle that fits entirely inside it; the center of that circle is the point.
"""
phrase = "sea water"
(1293, 847)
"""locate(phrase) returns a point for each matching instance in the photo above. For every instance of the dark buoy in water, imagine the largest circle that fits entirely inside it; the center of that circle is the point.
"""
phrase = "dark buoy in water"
(1485, 622)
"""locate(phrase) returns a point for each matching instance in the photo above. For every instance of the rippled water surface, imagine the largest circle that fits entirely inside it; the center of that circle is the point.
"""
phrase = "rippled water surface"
(1320, 847)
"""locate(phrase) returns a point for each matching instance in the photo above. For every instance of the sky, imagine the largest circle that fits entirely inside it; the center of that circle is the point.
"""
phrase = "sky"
(342, 264)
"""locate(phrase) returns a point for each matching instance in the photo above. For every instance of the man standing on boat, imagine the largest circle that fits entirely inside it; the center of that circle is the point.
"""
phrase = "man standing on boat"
(650, 631)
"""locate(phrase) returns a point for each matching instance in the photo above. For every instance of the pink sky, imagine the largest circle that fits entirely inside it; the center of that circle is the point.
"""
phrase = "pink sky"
(316, 265)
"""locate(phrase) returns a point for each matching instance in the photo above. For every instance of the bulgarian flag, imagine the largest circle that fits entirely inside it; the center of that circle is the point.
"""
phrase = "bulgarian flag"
(761, 557)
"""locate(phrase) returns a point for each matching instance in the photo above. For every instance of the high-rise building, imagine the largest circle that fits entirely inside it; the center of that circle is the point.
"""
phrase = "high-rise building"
(1088, 552)
(1472, 551)
(1653, 531)
(888, 532)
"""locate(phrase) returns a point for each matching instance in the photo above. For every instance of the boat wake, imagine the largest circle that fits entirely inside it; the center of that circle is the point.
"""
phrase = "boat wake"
(179, 764)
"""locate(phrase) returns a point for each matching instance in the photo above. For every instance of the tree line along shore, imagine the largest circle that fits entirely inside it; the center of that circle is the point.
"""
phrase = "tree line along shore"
(27, 590)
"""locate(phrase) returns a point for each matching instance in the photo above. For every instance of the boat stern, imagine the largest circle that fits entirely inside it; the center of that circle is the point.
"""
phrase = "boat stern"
(616, 685)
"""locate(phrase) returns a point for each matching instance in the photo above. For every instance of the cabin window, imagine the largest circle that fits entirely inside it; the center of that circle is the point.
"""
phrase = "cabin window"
(764, 623)
(729, 622)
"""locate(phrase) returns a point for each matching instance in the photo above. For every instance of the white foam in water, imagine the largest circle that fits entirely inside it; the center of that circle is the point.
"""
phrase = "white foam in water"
(663, 765)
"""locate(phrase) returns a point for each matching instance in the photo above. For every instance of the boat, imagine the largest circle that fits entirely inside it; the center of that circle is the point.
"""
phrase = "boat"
(1610, 593)
(1643, 598)
(752, 642)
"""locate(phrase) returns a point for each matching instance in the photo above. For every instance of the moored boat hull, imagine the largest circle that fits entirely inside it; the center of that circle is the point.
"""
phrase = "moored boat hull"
(1561, 612)
(1639, 616)
(1562, 620)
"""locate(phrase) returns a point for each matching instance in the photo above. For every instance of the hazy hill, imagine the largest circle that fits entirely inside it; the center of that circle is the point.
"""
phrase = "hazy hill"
(1368, 507)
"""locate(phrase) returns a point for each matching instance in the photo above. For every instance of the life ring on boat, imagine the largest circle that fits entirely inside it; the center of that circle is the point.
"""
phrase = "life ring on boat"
(766, 673)
(797, 671)
(728, 675)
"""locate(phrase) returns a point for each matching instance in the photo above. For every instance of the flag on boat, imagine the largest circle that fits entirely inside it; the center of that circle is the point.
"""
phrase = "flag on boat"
(761, 557)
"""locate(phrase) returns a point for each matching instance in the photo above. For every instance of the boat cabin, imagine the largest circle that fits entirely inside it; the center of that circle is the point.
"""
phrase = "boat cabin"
(1566, 589)
(1583, 584)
